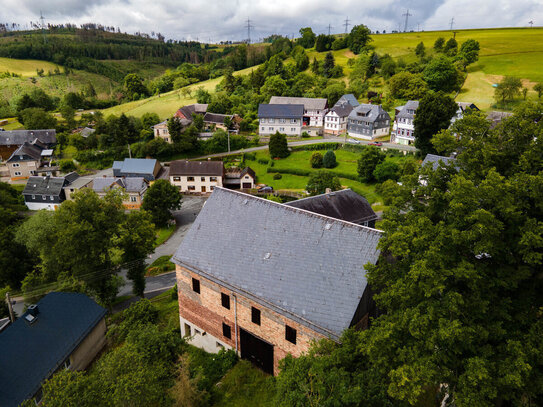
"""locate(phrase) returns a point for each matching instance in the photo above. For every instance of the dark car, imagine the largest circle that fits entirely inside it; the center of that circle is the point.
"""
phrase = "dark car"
(265, 189)
(376, 143)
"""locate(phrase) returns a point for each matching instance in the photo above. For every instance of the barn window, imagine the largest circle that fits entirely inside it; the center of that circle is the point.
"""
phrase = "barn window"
(225, 300)
(196, 285)
(290, 334)
(255, 315)
(226, 331)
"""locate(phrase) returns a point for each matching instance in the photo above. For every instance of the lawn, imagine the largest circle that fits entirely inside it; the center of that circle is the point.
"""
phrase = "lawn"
(166, 104)
(159, 266)
(25, 67)
(164, 234)
(347, 164)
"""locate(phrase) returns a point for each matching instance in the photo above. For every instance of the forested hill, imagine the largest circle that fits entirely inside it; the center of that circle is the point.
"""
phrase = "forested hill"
(88, 48)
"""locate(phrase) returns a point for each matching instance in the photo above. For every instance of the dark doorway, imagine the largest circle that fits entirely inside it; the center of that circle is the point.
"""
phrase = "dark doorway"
(257, 351)
(247, 185)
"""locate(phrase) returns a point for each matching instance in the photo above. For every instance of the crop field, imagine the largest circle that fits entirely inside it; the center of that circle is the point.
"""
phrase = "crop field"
(25, 67)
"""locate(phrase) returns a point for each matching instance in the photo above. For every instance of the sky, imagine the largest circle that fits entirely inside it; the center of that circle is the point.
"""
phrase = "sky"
(216, 20)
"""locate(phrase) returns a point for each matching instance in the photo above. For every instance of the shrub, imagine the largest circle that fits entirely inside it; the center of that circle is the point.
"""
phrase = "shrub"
(278, 146)
(263, 161)
(329, 160)
(369, 159)
(386, 170)
(321, 180)
(305, 134)
(316, 160)
(277, 176)
(66, 165)
(250, 156)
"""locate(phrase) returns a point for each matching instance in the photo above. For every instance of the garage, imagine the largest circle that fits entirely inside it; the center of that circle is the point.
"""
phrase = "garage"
(257, 351)
(247, 185)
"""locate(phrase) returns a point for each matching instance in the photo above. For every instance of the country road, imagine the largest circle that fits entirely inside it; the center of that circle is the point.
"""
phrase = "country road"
(392, 146)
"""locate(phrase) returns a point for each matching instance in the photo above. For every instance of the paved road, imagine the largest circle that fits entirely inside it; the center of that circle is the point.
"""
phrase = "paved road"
(392, 146)
(184, 218)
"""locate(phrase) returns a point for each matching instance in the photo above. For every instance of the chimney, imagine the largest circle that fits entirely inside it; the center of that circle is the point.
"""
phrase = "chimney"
(33, 310)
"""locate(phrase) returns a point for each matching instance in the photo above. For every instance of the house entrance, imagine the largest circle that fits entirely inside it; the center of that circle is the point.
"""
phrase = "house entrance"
(257, 351)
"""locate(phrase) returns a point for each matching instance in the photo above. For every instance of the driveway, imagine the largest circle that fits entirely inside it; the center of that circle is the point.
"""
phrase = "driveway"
(184, 218)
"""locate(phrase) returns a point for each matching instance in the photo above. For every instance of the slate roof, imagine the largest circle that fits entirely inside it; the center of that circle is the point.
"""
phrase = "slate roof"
(410, 105)
(86, 132)
(71, 177)
(308, 103)
(185, 167)
(18, 137)
(349, 98)
(130, 184)
(305, 266)
(44, 185)
(136, 165)
(30, 150)
(371, 112)
(342, 108)
(237, 173)
(286, 111)
(188, 110)
(31, 352)
(435, 160)
(216, 118)
(345, 205)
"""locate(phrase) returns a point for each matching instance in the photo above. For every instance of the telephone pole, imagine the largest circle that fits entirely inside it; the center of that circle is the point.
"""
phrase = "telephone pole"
(346, 25)
(10, 307)
(249, 26)
(406, 15)
(452, 23)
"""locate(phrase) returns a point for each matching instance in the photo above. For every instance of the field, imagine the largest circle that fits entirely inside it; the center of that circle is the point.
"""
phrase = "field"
(347, 164)
(25, 67)
(166, 104)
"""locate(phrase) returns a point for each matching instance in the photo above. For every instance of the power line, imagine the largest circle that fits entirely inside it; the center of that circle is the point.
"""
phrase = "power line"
(346, 25)
(452, 23)
(329, 28)
(406, 15)
(249, 26)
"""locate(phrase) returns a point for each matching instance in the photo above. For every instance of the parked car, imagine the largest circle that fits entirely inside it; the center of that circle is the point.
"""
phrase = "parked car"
(376, 143)
(353, 141)
(265, 189)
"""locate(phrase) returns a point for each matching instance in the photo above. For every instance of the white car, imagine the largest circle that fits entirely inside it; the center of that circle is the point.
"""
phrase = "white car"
(353, 141)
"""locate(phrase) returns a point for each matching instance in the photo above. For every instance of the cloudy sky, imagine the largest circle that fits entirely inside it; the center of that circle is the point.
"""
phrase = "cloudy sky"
(215, 20)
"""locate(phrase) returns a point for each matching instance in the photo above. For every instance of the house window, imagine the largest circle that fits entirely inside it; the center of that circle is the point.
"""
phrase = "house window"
(271, 120)
(190, 179)
(282, 120)
(270, 128)
(202, 179)
(177, 179)
(281, 129)
(51, 197)
(33, 196)
(17, 173)
(290, 334)
(262, 121)
(226, 331)
(293, 129)
(67, 363)
(213, 179)
(187, 330)
(263, 128)
(211, 188)
(43, 197)
(225, 300)
(15, 165)
(255, 315)
(196, 285)
(293, 121)
(133, 199)
(192, 188)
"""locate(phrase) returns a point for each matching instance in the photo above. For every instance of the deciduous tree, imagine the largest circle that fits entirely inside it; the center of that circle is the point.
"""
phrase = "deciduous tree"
(160, 199)
(321, 180)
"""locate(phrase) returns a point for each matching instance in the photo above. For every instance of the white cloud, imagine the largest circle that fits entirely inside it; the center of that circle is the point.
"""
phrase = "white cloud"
(226, 19)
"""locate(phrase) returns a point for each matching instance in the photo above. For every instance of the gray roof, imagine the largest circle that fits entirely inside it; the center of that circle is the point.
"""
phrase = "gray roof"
(44, 186)
(136, 165)
(130, 184)
(410, 105)
(18, 137)
(436, 160)
(185, 167)
(86, 132)
(30, 150)
(71, 177)
(286, 111)
(217, 118)
(345, 205)
(350, 99)
(371, 112)
(305, 266)
(33, 351)
(308, 103)
(342, 108)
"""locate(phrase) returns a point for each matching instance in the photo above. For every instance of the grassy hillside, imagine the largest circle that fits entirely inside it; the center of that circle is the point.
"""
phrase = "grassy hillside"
(166, 104)
(25, 67)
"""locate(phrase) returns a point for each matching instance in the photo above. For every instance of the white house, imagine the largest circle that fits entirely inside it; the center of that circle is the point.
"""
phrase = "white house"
(285, 119)
(314, 111)
(403, 130)
(368, 122)
(335, 121)
(196, 176)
